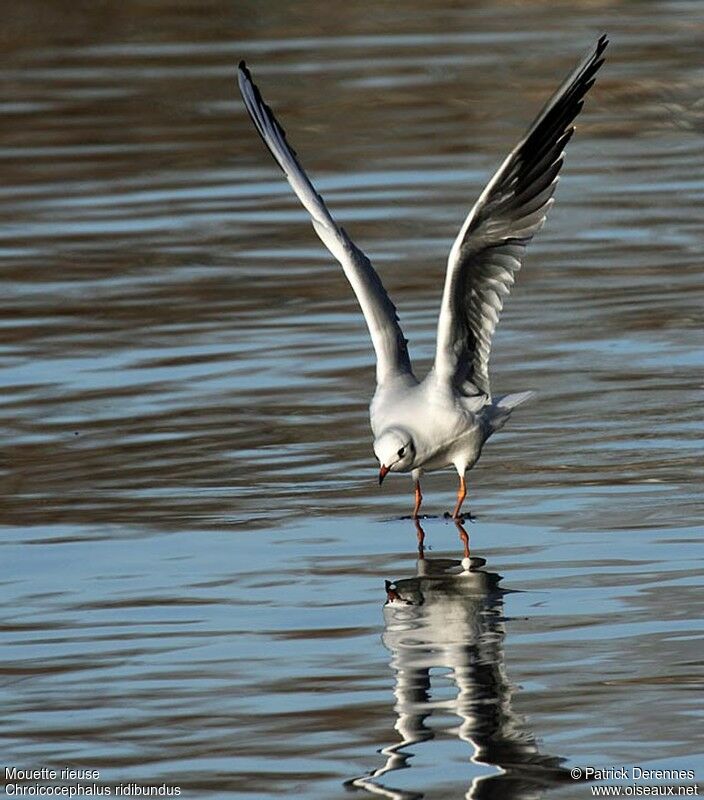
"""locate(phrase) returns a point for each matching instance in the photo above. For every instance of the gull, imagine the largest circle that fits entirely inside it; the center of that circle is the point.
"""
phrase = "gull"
(444, 420)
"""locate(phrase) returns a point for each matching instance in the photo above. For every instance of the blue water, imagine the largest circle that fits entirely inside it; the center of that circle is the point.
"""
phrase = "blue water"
(194, 546)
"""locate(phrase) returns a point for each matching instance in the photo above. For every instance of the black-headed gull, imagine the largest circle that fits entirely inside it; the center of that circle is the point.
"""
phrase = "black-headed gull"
(445, 419)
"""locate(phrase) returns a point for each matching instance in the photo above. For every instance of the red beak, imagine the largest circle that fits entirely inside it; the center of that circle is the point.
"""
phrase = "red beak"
(383, 472)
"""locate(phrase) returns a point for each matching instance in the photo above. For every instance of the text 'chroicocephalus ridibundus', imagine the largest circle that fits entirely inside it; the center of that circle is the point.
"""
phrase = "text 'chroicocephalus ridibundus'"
(445, 419)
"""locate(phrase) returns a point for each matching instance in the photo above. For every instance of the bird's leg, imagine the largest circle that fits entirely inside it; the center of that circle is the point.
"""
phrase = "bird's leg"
(419, 500)
(464, 537)
(461, 494)
(421, 539)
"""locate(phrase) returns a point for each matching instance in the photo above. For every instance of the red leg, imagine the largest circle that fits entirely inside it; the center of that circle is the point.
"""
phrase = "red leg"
(421, 540)
(461, 494)
(464, 537)
(419, 500)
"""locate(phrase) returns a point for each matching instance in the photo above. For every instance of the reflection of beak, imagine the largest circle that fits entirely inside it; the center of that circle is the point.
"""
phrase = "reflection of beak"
(383, 472)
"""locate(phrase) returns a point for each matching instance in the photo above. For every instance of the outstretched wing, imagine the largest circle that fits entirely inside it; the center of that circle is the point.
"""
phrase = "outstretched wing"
(489, 249)
(379, 312)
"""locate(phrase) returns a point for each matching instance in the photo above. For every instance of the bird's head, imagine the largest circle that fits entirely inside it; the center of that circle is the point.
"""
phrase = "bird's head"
(395, 451)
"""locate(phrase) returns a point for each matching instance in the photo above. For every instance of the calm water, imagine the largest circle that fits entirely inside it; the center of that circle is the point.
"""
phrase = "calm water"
(194, 547)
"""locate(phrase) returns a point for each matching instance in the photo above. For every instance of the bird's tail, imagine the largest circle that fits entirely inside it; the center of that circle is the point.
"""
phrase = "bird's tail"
(499, 411)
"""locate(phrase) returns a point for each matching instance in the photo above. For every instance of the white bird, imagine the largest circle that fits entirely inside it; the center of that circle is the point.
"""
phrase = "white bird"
(445, 419)
(445, 630)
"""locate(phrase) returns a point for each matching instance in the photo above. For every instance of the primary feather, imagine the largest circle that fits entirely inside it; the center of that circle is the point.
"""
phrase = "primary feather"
(489, 249)
(379, 312)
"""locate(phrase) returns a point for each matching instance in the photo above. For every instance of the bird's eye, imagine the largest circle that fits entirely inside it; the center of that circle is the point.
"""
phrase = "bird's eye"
(401, 452)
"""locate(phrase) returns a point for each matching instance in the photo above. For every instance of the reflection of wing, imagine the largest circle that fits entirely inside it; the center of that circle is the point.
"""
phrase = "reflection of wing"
(489, 249)
(379, 312)
(451, 618)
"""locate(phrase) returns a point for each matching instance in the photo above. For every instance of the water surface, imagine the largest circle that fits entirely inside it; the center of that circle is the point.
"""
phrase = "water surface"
(194, 546)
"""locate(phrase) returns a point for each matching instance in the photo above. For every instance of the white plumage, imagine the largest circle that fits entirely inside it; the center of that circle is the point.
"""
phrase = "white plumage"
(445, 419)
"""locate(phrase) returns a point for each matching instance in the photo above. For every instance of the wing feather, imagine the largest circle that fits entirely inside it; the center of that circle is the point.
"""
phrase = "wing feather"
(379, 312)
(489, 249)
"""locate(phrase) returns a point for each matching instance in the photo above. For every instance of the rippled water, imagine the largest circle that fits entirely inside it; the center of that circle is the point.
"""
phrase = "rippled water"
(194, 546)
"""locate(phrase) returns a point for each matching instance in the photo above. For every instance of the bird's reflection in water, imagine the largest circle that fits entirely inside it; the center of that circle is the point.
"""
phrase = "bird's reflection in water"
(449, 616)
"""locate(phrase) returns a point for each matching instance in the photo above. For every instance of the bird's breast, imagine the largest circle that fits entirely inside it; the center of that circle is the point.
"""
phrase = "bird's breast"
(443, 431)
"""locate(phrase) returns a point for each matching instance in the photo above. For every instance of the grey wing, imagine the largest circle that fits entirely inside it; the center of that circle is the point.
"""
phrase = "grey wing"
(489, 249)
(379, 312)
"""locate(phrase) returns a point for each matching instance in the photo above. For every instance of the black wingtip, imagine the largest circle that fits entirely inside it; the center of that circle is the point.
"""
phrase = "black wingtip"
(260, 113)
